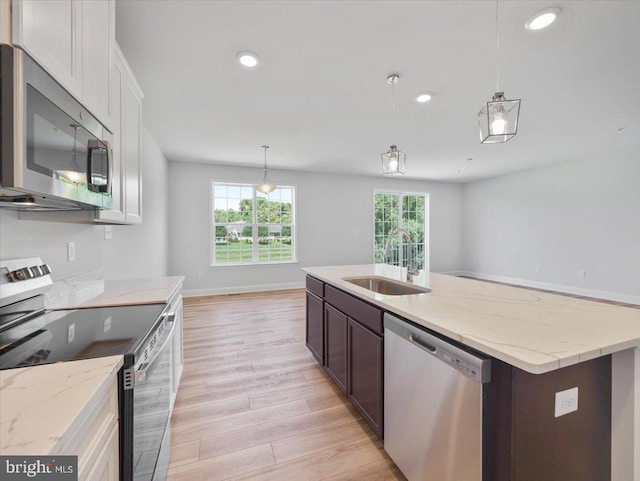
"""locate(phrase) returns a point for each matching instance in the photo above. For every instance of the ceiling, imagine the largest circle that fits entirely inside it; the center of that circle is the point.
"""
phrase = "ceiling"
(320, 99)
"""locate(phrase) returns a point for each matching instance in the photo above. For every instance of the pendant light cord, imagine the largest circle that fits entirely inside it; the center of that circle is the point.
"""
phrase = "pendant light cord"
(497, 51)
(393, 112)
(265, 147)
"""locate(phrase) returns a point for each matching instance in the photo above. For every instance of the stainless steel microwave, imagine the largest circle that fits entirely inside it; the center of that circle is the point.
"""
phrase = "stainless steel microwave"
(55, 154)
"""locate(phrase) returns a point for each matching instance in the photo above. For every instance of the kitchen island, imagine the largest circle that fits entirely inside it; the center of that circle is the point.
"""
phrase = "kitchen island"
(534, 332)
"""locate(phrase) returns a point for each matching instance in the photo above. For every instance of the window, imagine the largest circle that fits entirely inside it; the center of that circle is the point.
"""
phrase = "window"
(250, 227)
(401, 210)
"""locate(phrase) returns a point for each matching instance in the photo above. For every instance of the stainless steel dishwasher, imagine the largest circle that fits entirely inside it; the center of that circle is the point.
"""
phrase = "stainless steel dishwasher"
(433, 404)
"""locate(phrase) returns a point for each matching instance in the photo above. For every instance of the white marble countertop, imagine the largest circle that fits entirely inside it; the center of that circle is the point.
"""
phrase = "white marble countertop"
(82, 293)
(534, 331)
(40, 405)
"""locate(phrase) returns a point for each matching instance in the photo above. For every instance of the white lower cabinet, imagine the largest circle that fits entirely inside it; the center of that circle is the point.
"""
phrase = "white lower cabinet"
(177, 356)
(126, 111)
(96, 440)
(107, 465)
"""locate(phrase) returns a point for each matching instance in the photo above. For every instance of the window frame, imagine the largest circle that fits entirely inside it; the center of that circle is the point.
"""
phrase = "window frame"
(427, 221)
(254, 225)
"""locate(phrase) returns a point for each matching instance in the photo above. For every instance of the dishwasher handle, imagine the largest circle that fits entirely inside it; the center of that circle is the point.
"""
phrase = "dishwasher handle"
(423, 344)
(470, 363)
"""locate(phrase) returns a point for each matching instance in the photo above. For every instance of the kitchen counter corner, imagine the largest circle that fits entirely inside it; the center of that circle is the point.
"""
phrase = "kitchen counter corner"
(68, 390)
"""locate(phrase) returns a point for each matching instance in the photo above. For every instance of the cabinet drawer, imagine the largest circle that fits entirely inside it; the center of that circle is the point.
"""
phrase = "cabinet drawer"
(315, 286)
(366, 314)
(88, 441)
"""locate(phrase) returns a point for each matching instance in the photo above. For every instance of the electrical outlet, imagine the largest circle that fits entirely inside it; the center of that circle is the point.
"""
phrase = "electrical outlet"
(71, 251)
(538, 269)
(566, 402)
(71, 333)
(107, 324)
(108, 232)
(581, 274)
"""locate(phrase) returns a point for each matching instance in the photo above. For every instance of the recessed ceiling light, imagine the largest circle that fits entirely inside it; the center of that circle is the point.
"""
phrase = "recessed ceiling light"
(248, 59)
(543, 18)
(424, 97)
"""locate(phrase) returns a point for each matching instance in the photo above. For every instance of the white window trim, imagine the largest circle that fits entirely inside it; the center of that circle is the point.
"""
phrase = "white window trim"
(294, 228)
(427, 230)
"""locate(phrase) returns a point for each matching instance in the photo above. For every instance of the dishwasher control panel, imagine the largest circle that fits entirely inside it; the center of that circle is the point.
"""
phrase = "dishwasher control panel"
(469, 369)
(470, 364)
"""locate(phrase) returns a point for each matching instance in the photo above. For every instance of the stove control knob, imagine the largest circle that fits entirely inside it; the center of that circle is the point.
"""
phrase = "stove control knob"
(35, 271)
(45, 269)
(21, 274)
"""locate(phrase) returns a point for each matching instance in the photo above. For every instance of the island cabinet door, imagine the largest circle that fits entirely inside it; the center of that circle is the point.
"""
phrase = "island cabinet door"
(335, 331)
(315, 326)
(366, 374)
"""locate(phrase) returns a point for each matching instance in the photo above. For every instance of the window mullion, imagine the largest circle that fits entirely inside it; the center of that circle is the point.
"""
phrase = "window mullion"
(254, 227)
(400, 226)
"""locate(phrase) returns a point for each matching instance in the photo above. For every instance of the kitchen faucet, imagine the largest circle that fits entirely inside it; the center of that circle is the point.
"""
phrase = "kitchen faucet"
(410, 272)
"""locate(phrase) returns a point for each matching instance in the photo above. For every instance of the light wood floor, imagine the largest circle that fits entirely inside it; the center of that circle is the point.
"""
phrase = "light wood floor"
(253, 404)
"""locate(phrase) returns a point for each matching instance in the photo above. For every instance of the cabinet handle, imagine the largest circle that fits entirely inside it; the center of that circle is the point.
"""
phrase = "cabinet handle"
(422, 344)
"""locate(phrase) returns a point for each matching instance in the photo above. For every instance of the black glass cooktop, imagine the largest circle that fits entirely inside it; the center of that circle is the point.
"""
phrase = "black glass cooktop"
(78, 334)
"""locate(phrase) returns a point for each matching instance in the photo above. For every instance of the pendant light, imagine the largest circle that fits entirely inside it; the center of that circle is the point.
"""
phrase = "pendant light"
(393, 160)
(498, 118)
(265, 186)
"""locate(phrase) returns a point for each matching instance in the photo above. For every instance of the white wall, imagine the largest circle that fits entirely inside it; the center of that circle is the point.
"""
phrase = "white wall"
(142, 251)
(569, 217)
(134, 252)
(334, 225)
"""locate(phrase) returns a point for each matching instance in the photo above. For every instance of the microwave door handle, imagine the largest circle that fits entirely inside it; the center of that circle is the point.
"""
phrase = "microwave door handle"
(91, 146)
(109, 165)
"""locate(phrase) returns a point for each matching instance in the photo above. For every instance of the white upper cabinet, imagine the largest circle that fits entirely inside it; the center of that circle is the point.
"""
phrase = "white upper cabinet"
(73, 41)
(51, 31)
(126, 111)
(98, 33)
(131, 150)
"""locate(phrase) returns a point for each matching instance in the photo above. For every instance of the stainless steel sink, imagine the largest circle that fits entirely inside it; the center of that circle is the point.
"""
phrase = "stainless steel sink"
(389, 287)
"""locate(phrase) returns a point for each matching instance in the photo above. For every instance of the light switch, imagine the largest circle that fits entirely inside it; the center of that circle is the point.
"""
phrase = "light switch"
(566, 402)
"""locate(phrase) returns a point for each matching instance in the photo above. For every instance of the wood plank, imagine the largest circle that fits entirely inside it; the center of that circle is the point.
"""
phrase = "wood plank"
(183, 432)
(326, 436)
(254, 435)
(223, 467)
(320, 465)
(185, 453)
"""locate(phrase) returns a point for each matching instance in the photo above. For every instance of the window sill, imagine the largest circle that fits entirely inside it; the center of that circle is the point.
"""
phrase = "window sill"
(253, 264)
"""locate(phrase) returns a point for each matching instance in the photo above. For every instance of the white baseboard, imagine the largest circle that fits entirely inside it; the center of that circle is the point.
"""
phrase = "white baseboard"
(611, 296)
(242, 289)
(452, 273)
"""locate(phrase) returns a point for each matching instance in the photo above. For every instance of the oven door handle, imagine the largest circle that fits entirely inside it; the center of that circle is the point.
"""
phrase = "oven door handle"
(141, 372)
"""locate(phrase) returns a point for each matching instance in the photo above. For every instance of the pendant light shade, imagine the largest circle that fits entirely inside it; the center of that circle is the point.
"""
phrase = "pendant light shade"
(393, 160)
(498, 118)
(265, 186)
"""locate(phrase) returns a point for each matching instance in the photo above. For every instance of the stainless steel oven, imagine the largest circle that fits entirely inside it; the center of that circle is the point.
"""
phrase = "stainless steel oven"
(55, 154)
(142, 334)
(147, 386)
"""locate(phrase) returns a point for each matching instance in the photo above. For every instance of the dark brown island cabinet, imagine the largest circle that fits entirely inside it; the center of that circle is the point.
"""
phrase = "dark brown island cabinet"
(523, 440)
(346, 338)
